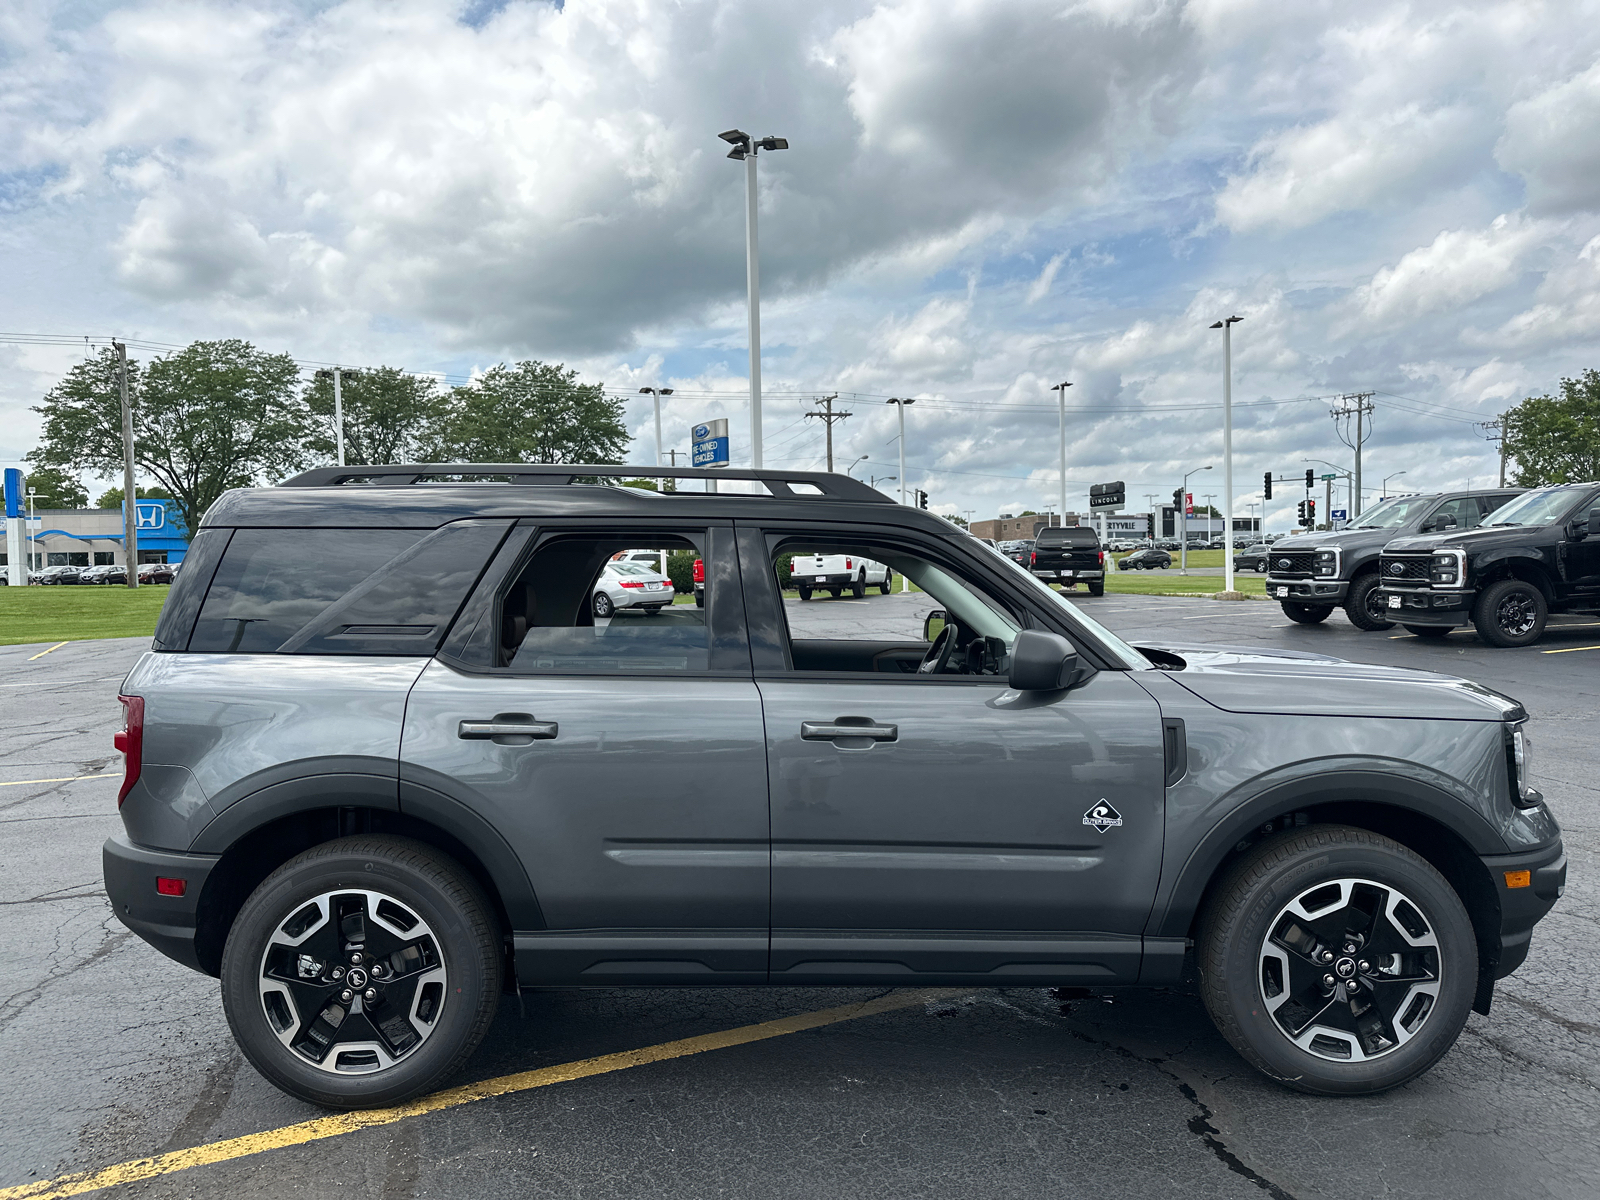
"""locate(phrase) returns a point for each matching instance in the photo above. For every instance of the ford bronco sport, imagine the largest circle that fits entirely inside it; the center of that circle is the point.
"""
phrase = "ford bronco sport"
(380, 763)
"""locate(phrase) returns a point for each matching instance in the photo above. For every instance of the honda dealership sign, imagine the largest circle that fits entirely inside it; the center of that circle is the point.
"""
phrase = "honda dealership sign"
(709, 444)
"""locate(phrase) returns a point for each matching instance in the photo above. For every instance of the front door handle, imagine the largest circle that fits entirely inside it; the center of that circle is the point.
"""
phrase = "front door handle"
(848, 728)
(517, 728)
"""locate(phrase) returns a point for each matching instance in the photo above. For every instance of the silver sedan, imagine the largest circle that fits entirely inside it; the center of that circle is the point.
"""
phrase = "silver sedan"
(624, 584)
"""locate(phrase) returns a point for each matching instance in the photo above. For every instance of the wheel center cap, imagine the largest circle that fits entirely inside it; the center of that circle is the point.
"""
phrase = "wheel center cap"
(1345, 968)
(358, 978)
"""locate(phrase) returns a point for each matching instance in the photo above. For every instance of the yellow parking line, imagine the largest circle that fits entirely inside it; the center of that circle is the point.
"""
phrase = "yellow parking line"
(63, 779)
(1569, 649)
(42, 653)
(342, 1123)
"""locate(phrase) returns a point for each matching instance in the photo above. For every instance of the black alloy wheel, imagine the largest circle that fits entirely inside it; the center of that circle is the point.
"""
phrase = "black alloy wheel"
(1306, 614)
(1428, 631)
(362, 972)
(602, 605)
(1364, 603)
(1510, 612)
(888, 580)
(1337, 961)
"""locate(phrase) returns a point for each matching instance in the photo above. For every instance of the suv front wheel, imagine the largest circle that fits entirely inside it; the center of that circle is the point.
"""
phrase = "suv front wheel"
(1510, 612)
(1364, 604)
(362, 972)
(1337, 961)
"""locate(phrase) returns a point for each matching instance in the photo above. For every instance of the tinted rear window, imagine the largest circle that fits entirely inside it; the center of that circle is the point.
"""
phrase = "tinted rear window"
(1071, 535)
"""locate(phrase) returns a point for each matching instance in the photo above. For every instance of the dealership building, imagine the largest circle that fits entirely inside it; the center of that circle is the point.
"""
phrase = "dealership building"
(89, 537)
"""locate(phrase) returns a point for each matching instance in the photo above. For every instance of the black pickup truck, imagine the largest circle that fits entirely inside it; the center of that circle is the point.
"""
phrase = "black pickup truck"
(1070, 554)
(1537, 555)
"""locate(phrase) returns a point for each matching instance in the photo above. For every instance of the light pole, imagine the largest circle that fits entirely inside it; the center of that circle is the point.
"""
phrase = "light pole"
(745, 150)
(1386, 479)
(338, 410)
(656, 394)
(33, 548)
(851, 468)
(1183, 511)
(969, 512)
(1227, 446)
(1327, 500)
(901, 405)
(1060, 390)
(874, 480)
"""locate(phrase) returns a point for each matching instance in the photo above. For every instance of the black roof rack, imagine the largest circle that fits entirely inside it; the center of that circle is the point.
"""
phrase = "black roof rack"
(785, 484)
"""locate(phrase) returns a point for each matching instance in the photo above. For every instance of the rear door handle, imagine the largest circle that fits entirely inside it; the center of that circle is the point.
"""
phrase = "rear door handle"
(496, 729)
(864, 728)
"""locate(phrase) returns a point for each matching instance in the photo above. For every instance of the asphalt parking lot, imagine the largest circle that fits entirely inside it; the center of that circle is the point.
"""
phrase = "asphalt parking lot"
(110, 1053)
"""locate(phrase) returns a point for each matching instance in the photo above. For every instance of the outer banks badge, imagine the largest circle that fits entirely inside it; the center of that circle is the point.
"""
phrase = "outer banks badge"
(1102, 816)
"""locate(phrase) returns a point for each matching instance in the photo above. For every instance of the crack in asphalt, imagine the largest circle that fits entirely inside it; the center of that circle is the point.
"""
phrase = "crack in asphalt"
(51, 898)
(1540, 1010)
(19, 1002)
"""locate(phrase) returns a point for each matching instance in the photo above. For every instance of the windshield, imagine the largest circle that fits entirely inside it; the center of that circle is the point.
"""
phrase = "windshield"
(1538, 508)
(1391, 514)
(1129, 657)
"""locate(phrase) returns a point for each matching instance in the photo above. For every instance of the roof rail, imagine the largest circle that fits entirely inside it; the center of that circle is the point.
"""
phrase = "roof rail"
(782, 484)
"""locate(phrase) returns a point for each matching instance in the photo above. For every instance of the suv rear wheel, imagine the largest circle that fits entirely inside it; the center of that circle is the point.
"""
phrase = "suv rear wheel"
(1510, 612)
(1364, 604)
(1306, 614)
(1337, 961)
(362, 972)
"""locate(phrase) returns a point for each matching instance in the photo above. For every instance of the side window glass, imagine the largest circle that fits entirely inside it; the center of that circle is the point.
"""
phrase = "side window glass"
(877, 608)
(1464, 510)
(598, 603)
(271, 583)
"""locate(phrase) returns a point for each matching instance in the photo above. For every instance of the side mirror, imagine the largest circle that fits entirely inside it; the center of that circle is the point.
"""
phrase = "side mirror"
(933, 623)
(1442, 522)
(1042, 662)
(1594, 522)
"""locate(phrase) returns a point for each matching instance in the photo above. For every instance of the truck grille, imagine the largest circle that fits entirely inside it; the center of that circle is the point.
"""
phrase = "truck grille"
(1405, 568)
(1291, 562)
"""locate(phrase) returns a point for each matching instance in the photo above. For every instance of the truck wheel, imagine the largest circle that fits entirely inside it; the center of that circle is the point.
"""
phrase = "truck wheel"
(858, 589)
(805, 593)
(888, 579)
(362, 972)
(1306, 614)
(1097, 589)
(1337, 961)
(1363, 604)
(1428, 631)
(699, 600)
(1511, 612)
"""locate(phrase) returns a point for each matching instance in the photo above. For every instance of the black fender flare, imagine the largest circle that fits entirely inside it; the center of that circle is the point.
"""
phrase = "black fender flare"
(1176, 908)
(1519, 565)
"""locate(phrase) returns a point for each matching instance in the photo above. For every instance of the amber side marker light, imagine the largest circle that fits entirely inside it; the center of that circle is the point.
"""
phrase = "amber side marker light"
(1516, 879)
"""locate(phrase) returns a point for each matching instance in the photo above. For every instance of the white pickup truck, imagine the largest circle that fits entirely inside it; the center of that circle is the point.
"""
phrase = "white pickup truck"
(835, 572)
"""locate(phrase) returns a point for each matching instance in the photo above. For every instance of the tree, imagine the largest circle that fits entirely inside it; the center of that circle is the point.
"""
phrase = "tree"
(55, 488)
(531, 412)
(1556, 439)
(214, 416)
(961, 521)
(112, 497)
(386, 412)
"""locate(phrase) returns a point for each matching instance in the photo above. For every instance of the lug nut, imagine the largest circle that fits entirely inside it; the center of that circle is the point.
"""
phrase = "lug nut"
(1364, 965)
(1326, 956)
(1349, 947)
(1328, 981)
(338, 972)
(377, 971)
(356, 957)
(370, 994)
(346, 995)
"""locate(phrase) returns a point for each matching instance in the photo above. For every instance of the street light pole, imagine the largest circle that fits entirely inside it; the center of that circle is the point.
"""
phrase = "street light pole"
(1227, 447)
(1386, 478)
(745, 149)
(850, 470)
(130, 496)
(338, 414)
(901, 405)
(1061, 390)
(656, 394)
(1183, 516)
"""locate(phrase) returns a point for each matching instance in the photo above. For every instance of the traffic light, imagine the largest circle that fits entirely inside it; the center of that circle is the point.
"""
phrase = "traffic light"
(922, 498)
(1266, 485)
(1311, 479)
(1177, 498)
(1300, 513)
(1311, 514)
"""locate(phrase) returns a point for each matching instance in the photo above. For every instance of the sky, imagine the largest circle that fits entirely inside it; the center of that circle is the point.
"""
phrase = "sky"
(982, 199)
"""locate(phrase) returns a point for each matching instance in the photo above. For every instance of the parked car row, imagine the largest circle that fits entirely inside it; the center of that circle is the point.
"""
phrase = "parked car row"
(105, 573)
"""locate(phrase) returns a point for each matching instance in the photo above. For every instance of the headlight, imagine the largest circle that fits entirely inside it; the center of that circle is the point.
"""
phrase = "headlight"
(1519, 764)
(1327, 563)
(1448, 568)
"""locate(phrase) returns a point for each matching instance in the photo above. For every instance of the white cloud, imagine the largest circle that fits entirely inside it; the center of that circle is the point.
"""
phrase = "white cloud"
(1047, 278)
(1457, 268)
(1553, 141)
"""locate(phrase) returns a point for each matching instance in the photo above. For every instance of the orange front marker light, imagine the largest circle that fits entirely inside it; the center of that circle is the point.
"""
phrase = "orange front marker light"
(1516, 879)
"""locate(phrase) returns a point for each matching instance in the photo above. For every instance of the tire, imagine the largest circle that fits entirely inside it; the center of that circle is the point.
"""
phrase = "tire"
(699, 600)
(459, 975)
(1427, 631)
(858, 589)
(1510, 612)
(805, 593)
(1306, 614)
(602, 605)
(888, 581)
(1359, 606)
(1097, 589)
(1261, 568)
(1263, 993)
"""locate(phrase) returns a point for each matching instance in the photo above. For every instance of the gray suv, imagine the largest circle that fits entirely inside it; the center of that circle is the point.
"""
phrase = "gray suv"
(382, 766)
(1311, 574)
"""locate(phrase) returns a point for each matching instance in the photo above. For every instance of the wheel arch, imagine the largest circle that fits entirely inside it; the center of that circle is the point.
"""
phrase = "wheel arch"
(1517, 566)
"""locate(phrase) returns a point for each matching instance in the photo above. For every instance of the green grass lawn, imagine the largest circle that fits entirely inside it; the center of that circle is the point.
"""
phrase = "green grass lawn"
(1147, 583)
(71, 614)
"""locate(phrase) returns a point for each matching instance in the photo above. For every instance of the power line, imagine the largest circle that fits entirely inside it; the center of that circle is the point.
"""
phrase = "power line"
(827, 416)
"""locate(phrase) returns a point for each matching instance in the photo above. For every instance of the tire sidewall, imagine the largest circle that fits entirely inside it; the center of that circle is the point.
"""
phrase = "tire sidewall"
(469, 977)
(1356, 604)
(1237, 965)
(602, 605)
(1485, 618)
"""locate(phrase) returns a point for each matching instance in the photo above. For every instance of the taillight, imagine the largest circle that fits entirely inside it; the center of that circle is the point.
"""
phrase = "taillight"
(129, 742)
(1033, 557)
(630, 583)
(700, 569)
(848, 565)
(1102, 558)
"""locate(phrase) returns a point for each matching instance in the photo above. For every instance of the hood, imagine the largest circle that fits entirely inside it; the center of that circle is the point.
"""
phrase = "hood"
(1251, 680)
(1462, 539)
(1343, 539)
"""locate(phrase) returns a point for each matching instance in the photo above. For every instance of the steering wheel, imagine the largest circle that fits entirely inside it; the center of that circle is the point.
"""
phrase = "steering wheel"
(938, 655)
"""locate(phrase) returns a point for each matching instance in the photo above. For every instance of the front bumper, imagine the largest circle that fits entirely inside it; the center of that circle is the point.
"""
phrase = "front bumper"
(1521, 908)
(1421, 606)
(166, 922)
(1308, 591)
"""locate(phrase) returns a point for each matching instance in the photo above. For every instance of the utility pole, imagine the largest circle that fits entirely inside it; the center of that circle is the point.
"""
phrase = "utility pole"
(1495, 431)
(1359, 406)
(828, 417)
(130, 501)
(338, 412)
(1061, 390)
